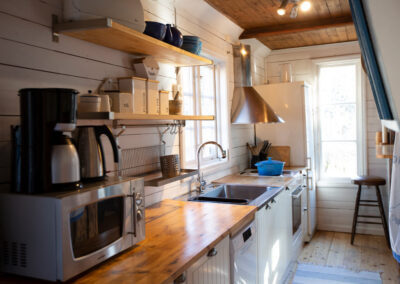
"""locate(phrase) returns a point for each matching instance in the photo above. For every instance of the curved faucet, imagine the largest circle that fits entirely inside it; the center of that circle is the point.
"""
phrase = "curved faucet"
(201, 182)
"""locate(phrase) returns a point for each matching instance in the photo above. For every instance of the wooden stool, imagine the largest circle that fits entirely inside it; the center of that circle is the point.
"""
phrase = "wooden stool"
(369, 181)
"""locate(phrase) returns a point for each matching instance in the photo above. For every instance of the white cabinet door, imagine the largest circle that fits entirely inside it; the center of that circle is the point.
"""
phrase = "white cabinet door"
(264, 219)
(281, 250)
(212, 268)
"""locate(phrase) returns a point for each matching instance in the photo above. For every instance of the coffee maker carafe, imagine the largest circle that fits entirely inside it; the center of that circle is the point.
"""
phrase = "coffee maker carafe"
(49, 159)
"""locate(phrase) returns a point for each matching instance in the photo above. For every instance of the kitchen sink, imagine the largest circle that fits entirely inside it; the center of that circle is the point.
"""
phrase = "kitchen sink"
(236, 194)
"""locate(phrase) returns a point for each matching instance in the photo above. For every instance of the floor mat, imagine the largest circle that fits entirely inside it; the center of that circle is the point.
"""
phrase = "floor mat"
(315, 274)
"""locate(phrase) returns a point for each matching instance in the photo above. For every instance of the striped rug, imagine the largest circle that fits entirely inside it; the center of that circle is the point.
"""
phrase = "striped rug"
(314, 274)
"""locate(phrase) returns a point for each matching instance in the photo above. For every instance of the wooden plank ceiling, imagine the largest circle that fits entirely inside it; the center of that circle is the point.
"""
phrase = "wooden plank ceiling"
(328, 21)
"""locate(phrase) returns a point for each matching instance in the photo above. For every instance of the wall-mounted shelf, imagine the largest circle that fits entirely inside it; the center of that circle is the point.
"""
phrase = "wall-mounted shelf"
(131, 116)
(108, 33)
(160, 181)
(384, 151)
(129, 119)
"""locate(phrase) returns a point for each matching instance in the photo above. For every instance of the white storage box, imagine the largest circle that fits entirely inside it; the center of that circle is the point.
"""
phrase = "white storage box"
(121, 102)
(164, 102)
(153, 98)
(137, 87)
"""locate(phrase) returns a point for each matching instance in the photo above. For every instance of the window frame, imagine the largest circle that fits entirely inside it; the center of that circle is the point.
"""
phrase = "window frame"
(218, 69)
(360, 123)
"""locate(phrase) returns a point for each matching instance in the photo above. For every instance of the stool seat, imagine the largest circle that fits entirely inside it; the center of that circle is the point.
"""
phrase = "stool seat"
(368, 180)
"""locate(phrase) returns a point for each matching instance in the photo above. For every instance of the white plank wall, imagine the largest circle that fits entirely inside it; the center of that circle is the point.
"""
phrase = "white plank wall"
(335, 204)
(29, 58)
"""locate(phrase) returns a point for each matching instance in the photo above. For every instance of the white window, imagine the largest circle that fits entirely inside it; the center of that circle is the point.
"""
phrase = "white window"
(339, 120)
(201, 96)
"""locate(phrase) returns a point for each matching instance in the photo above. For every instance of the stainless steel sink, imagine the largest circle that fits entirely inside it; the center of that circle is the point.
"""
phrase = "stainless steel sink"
(233, 194)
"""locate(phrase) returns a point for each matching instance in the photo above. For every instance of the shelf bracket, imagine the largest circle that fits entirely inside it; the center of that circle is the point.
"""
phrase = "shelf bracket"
(54, 33)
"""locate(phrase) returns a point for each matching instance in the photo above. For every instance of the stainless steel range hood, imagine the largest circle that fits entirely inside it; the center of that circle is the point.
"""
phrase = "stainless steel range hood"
(248, 106)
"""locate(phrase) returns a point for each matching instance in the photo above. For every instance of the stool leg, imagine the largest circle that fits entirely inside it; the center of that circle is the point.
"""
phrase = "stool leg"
(383, 217)
(353, 230)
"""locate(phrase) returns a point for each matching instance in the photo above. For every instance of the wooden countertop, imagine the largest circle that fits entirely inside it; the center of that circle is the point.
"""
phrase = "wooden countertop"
(178, 233)
(255, 180)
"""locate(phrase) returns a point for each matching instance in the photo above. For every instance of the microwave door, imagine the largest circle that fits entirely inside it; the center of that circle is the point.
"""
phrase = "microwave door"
(96, 225)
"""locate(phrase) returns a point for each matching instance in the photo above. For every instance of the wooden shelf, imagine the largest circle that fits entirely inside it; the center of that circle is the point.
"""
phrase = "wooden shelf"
(107, 33)
(160, 181)
(384, 151)
(131, 116)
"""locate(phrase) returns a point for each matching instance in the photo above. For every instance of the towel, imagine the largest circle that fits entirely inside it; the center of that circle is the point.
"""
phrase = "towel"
(394, 203)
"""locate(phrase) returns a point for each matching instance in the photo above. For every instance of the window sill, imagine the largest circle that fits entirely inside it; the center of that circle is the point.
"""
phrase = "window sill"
(336, 183)
(209, 167)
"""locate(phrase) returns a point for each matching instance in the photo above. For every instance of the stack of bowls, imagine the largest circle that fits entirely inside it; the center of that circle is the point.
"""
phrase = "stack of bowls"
(192, 44)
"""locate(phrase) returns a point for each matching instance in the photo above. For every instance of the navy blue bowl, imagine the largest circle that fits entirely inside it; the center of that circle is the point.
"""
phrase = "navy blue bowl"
(155, 29)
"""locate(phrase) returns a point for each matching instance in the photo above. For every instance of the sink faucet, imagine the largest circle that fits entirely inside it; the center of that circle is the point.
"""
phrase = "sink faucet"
(201, 182)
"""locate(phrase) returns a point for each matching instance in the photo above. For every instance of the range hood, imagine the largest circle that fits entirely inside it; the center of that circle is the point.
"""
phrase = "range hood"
(248, 107)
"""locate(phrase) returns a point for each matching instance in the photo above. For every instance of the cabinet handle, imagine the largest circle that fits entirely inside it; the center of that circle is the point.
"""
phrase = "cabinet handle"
(267, 207)
(212, 252)
(273, 200)
(181, 279)
(287, 188)
(305, 209)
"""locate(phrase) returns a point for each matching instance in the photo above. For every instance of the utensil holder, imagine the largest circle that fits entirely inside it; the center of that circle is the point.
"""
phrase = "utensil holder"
(175, 107)
(170, 165)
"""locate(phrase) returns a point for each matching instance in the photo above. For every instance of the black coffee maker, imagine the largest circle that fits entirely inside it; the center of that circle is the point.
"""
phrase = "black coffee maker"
(48, 158)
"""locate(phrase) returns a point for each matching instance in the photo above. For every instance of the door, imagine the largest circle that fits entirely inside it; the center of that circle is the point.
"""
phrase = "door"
(213, 267)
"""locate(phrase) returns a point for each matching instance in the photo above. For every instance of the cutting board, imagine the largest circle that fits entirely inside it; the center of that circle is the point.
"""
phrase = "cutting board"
(280, 153)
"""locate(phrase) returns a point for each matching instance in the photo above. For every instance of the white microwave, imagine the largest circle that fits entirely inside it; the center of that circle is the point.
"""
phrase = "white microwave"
(57, 236)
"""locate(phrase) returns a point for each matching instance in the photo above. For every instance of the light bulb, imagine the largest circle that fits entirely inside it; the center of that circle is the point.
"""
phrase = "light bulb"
(305, 6)
(281, 11)
(243, 51)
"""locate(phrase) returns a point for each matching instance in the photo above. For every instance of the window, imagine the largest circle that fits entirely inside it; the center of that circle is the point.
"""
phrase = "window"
(201, 96)
(340, 126)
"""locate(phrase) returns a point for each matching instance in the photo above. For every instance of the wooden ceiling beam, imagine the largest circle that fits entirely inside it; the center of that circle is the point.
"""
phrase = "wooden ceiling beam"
(297, 27)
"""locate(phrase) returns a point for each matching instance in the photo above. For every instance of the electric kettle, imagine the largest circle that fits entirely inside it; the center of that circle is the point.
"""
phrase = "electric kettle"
(91, 153)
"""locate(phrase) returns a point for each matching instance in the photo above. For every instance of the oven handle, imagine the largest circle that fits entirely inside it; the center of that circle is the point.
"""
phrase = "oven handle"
(298, 194)
(134, 221)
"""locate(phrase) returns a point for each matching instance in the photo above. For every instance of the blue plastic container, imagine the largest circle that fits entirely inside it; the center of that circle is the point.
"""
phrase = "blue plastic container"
(270, 167)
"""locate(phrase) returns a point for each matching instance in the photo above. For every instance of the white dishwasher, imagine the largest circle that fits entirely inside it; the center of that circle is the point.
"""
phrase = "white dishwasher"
(243, 250)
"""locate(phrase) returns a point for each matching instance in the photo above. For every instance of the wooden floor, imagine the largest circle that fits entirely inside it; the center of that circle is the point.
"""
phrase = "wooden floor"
(368, 253)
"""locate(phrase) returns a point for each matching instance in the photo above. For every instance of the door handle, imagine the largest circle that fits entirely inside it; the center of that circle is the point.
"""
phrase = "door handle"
(180, 279)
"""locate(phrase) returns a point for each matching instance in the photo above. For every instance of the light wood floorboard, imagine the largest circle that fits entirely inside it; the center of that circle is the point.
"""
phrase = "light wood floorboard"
(369, 253)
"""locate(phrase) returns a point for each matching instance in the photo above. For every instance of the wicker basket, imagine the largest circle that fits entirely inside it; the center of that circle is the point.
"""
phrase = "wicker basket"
(170, 165)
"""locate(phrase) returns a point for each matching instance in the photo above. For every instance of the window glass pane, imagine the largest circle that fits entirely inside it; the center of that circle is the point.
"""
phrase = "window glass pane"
(186, 81)
(338, 122)
(338, 159)
(190, 141)
(207, 90)
(208, 129)
(337, 84)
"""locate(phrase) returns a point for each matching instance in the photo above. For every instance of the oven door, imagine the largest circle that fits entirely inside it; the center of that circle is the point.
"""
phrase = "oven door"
(296, 209)
(96, 224)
